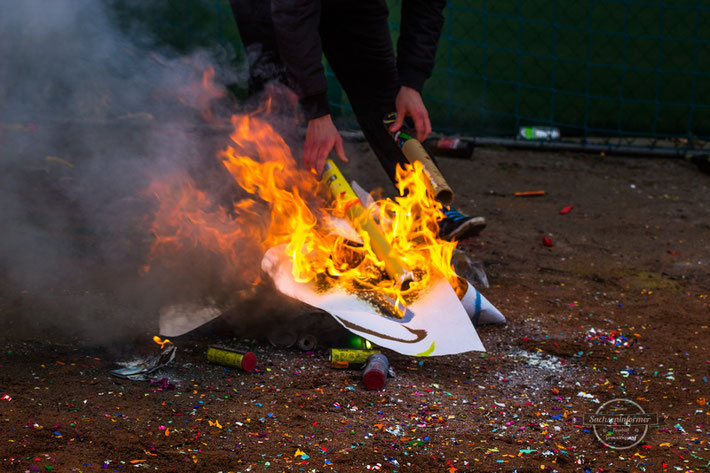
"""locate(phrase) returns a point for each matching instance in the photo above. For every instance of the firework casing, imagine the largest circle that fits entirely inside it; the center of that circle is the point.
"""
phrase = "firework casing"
(364, 224)
(282, 337)
(307, 342)
(374, 376)
(529, 194)
(244, 360)
(414, 151)
(349, 357)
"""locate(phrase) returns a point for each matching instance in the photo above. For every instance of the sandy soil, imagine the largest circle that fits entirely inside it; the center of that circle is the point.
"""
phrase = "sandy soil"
(617, 308)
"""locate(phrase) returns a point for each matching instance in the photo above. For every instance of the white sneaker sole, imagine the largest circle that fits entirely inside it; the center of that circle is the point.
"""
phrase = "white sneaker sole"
(469, 228)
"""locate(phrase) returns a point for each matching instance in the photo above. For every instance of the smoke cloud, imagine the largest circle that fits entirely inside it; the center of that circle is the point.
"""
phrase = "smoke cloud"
(89, 117)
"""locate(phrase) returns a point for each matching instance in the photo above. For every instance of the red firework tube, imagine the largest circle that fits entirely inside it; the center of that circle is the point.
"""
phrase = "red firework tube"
(374, 377)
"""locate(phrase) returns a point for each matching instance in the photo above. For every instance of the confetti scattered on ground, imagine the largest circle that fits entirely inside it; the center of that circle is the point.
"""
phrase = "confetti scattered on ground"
(607, 313)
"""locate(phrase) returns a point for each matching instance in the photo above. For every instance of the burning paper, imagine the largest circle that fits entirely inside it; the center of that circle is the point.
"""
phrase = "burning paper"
(435, 324)
(289, 217)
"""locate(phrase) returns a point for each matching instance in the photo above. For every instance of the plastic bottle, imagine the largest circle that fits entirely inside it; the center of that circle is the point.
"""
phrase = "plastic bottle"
(451, 146)
(539, 133)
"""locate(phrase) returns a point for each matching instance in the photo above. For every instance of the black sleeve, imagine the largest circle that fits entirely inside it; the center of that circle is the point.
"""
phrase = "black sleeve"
(420, 29)
(296, 28)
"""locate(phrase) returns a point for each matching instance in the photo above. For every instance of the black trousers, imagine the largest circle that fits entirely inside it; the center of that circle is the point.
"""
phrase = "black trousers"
(356, 41)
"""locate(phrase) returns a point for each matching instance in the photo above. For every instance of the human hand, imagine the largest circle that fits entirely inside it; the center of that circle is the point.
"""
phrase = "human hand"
(321, 138)
(409, 104)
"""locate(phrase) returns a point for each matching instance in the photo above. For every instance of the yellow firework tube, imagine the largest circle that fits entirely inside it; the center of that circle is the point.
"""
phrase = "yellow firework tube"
(364, 224)
(343, 358)
(244, 360)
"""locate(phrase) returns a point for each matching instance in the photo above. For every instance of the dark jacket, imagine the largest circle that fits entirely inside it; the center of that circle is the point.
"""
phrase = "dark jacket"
(296, 25)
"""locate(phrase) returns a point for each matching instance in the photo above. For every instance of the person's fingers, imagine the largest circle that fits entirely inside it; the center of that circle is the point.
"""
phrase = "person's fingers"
(306, 157)
(320, 161)
(315, 154)
(314, 167)
(339, 150)
(322, 154)
(398, 121)
(308, 153)
(423, 127)
(419, 126)
(308, 150)
(427, 122)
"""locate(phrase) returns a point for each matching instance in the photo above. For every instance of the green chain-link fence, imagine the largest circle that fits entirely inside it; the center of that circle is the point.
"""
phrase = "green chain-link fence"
(593, 68)
(619, 71)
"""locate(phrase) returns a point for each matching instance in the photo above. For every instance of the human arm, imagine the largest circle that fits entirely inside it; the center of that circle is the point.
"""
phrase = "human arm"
(321, 138)
(421, 25)
(409, 104)
(296, 27)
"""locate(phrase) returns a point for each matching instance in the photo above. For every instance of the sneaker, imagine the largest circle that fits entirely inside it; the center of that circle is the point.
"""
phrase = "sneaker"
(456, 226)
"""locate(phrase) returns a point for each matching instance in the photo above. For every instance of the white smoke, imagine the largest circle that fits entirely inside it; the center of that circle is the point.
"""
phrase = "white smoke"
(88, 117)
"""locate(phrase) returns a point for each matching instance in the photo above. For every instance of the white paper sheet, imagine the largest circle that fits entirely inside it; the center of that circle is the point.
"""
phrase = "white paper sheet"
(435, 324)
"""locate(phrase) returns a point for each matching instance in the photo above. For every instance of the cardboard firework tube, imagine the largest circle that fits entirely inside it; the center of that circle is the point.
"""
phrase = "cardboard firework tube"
(307, 342)
(414, 151)
(242, 359)
(529, 194)
(374, 376)
(343, 358)
(365, 225)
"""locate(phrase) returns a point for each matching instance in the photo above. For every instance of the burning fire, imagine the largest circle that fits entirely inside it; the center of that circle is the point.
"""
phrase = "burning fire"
(289, 206)
(161, 342)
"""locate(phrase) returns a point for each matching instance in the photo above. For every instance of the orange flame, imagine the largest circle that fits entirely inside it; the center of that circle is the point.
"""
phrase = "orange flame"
(296, 214)
(161, 342)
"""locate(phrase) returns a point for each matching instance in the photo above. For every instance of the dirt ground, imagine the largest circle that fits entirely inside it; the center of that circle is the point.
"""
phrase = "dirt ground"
(618, 307)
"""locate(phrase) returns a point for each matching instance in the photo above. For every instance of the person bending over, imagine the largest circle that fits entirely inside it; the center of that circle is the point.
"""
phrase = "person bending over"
(285, 40)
